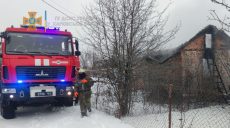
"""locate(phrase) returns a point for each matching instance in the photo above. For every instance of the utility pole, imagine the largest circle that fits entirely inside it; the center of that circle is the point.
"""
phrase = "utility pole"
(170, 105)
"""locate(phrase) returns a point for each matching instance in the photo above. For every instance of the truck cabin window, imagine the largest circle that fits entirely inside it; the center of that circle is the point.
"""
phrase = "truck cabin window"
(38, 44)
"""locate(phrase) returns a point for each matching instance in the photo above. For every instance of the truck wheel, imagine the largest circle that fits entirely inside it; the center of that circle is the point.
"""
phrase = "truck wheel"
(68, 102)
(8, 112)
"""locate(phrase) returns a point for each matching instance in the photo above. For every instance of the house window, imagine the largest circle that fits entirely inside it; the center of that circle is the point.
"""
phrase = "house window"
(208, 41)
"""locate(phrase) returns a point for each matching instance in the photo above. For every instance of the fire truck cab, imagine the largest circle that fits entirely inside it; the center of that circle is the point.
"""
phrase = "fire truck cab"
(38, 66)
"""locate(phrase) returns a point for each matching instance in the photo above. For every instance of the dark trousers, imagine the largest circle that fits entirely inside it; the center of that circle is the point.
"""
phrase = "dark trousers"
(85, 104)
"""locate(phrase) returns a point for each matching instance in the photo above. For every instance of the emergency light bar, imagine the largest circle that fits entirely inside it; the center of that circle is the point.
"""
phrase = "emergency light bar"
(37, 27)
(42, 27)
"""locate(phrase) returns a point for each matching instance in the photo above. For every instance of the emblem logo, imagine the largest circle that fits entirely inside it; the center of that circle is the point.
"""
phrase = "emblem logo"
(32, 20)
(42, 74)
(60, 62)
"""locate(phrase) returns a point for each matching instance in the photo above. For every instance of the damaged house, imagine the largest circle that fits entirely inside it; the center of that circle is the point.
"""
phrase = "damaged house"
(199, 69)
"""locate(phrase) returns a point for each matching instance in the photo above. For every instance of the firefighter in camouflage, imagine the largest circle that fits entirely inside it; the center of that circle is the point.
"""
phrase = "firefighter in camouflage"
(83, 87)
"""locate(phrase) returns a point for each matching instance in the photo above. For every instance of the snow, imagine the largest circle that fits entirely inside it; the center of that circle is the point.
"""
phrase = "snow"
(156, 116)
(103, 97)
(209, 117)
(141, 116)
(44, 117)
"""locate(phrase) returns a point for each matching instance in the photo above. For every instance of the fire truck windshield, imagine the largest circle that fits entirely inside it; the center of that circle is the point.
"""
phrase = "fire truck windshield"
(38, 44)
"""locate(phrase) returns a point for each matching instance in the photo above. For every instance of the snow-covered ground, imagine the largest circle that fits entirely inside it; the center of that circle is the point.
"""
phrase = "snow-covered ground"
(156, 116)
(43, 117)
(209, 117)
(141, 116)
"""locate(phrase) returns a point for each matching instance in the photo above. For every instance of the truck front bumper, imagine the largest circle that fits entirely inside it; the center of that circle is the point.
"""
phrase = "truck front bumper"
(22, 94)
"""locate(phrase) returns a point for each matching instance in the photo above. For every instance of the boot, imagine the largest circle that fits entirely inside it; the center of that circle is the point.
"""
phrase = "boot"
(89, 109)
(83, 114)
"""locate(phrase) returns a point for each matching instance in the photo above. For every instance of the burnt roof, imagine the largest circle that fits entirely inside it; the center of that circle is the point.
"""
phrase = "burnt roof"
(210, 29)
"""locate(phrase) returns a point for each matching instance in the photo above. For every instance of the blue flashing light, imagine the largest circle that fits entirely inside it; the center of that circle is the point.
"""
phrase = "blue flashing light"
(19, 81)
(40, 28)
(53, 28)
(62, 80)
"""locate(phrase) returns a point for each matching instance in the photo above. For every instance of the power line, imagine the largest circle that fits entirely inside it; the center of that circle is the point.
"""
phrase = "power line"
(63, 7)
(59, 11)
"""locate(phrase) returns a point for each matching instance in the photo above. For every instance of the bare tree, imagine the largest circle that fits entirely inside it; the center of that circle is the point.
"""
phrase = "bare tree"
(121, 32)
(88, 59)
(223, 21)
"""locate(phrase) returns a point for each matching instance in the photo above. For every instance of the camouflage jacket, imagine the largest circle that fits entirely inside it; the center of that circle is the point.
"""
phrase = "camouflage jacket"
(84, 84)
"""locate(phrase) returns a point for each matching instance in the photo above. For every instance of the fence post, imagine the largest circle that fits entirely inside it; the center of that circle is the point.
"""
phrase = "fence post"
(97, 93)
(170, 105)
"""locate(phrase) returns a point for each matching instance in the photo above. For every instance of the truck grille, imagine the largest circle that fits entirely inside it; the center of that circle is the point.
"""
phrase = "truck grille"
(40, 72)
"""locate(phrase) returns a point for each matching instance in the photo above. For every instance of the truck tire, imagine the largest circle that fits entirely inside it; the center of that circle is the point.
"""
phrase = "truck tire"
(68, 102)
(8, 112)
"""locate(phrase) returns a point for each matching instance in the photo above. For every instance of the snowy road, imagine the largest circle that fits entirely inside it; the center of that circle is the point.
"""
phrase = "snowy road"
(43, 117)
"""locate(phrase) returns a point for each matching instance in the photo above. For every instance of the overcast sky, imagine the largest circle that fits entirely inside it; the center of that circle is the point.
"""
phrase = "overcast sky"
(192, 14)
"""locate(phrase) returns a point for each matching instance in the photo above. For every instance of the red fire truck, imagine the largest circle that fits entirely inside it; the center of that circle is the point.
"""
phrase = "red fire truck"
(38, 67)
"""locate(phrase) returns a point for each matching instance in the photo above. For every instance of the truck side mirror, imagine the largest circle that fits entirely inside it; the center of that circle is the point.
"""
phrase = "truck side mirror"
(77, 53)
(1, 35)
(77, 45)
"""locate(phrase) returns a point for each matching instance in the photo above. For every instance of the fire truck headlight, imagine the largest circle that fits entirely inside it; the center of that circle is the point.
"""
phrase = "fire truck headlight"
(69, 93)
(8, 90)
(11, 96)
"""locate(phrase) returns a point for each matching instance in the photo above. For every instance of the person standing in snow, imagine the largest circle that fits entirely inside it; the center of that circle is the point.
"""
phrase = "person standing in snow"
(83, 87)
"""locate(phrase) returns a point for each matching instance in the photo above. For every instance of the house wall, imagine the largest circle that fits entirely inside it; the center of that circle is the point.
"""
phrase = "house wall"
(189, 71)
(158, 77)
(192, 65)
